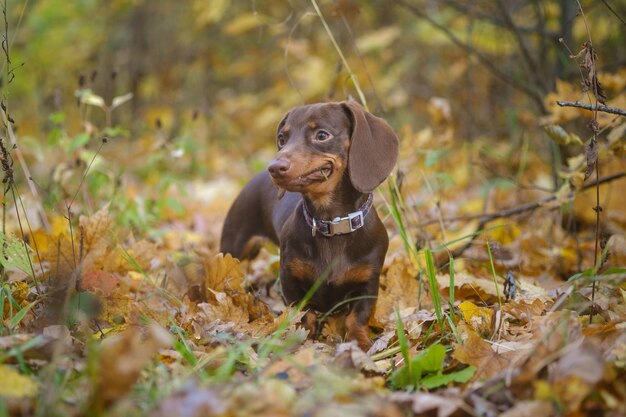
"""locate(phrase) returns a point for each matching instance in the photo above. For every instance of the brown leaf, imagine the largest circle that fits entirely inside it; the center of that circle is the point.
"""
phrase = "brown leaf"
(583, 361)
(530, 408)
(588, 68)
(94, 229)
(475, 351)
(103, 281)
(525, 310)
(293, 368)
(468, 287)
(399, 289)
(591, 153)
(192, 402)
(349, 356)
(423, 402)
(223, 272)
(122, 357)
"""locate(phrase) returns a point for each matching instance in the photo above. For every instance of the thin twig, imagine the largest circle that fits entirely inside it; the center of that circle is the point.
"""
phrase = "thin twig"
(533, 66)
(597, 209)
(22, 161)
(353, 77)
(286, 54)
(486, 217)
(360, 56)
(484, 60)
(592, 107)
(608, 6)
(594, 140)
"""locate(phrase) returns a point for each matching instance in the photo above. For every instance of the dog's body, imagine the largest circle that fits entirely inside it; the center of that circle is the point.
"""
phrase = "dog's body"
(331, 156)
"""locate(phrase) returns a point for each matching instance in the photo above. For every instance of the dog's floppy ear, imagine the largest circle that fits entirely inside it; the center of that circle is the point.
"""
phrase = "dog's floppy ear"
(373, 149)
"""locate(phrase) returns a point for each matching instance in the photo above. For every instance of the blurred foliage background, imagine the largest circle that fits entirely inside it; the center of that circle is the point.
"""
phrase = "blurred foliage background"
(134, 123)
(210, 79)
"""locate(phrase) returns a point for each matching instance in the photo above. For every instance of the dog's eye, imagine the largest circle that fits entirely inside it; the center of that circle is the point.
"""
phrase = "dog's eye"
(322, 135)
(281, 140)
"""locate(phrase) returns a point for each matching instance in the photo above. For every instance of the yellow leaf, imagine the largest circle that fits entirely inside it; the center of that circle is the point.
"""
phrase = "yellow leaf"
(378, 39)
(243, 23)
(477, 317)
(15, 385)
(543, 390)
(208, 12)
(469, 286)
(561, 136)
(224, 272)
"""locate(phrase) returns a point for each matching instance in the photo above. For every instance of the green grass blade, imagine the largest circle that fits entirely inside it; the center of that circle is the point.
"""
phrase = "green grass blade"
(493, 271)
(17, 318)
(432, 283)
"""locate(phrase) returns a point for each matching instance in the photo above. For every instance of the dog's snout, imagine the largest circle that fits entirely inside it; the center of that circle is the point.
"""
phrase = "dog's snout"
(279, 167)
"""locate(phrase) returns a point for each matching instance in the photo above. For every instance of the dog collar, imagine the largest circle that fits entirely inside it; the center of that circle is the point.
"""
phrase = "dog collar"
(339, 225)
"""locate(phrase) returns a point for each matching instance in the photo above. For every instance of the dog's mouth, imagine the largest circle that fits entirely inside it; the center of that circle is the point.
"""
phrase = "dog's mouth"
(319, 174)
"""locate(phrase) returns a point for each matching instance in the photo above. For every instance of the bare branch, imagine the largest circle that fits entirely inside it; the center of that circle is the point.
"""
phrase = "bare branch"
(483, 59)
(532, 64)
(608, 6)
(496, 20)
(486, 217)
(592, 107)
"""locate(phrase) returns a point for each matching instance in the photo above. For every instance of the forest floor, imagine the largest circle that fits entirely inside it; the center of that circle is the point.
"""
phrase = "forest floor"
(121, 323)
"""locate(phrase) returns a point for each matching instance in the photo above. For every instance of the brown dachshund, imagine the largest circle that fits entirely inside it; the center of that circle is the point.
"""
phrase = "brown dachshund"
(330, 158)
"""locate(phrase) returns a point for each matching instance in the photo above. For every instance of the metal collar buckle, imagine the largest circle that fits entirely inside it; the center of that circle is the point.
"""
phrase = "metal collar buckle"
(338, 225)
(343, 225)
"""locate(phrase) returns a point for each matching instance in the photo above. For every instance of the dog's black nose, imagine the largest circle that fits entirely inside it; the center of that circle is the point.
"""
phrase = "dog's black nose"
(279, 167)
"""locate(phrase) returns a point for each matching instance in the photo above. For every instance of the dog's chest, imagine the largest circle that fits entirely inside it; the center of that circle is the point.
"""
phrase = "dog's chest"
(327, 261)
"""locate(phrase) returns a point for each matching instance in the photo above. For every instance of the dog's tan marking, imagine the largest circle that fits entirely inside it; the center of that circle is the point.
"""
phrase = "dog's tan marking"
(312, 125)
(309, 322)
(358, 274)
(358, 332)
(301, 269)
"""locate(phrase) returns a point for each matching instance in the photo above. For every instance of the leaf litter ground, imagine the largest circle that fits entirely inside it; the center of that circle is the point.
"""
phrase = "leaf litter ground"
(164, 325)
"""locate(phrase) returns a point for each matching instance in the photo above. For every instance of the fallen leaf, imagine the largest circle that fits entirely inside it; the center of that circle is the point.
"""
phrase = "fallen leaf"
(423, 402)
(469, 287)
(223, 272)
(584, 361)
(524, 310)
(122, 357)
(479, 318)
(104, 282)
(349, 356)
(15, 385)
(399, 289)
(530, 408)
(192, 402)
(475, 351)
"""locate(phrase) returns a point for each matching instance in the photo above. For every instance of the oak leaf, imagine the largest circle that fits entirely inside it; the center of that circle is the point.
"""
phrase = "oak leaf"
(477, 352)
(223, 272)
(122, 357)
(480, 318)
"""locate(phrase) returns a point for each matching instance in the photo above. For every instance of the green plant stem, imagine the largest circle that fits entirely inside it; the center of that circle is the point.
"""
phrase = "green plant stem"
(432, 283)
(353, 77)
(493, 272)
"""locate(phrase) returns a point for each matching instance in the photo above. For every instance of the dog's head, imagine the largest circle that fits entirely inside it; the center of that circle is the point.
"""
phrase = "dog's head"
(318, 143)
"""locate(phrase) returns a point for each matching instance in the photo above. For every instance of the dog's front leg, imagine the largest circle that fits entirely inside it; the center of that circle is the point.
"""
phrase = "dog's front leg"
(358, 318)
